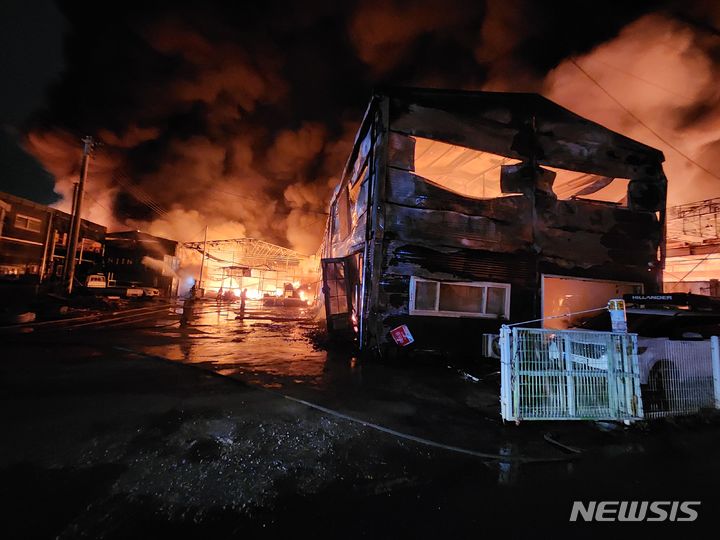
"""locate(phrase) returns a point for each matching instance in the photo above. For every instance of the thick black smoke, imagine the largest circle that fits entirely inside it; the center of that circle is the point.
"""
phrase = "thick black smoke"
(241, 115)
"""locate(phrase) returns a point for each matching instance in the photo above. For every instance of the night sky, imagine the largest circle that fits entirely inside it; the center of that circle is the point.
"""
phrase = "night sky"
(31, 58)
(260, 100)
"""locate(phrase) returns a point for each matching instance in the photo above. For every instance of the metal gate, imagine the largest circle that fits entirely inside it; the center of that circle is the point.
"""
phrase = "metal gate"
(569, 375)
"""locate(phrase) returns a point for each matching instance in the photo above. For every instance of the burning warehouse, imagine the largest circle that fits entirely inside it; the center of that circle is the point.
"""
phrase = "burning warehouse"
(458, 211)
(262, 268)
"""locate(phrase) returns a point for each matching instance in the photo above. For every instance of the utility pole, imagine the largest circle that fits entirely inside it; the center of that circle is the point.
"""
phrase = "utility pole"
(43, 264)
(68, 234)
(202, 262)
(77, 210)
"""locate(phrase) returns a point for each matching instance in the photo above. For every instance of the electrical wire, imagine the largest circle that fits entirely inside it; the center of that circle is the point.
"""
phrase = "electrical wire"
(639, 78)
(641, 122)
(101, 205)
(377, 427)
(137, 192)
(691, 270)
(557, 316)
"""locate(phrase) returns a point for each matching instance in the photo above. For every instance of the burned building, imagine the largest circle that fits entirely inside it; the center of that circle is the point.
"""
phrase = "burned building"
(458, 211)
(262, 268)
(34, 241)
(138, 258)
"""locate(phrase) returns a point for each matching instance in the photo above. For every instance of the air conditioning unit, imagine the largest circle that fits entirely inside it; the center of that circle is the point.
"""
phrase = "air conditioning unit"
(491, 345)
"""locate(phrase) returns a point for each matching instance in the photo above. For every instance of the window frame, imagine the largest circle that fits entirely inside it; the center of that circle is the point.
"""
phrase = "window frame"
(438, 313)
(344, 213)
(359, 189)
(28, 220)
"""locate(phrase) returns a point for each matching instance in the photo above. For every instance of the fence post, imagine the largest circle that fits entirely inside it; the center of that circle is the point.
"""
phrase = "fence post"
(514, 363)
(612, 375)
(635, 397)
(505, 374)
(715, 348)
(569, 378)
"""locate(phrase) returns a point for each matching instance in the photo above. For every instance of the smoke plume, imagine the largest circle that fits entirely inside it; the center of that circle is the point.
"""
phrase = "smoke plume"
(240, 117)
(662, 71)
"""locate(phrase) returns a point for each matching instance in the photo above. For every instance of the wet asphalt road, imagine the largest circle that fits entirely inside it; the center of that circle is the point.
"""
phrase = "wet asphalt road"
(107, 436)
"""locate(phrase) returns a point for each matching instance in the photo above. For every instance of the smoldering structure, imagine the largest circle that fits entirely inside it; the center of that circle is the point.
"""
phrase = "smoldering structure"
(458, 211)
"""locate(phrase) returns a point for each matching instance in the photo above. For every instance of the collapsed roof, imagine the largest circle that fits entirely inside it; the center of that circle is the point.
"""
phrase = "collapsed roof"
(522, 126)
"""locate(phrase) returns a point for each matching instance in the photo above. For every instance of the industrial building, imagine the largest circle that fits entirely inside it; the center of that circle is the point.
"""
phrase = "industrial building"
(693, 248)
(34, 240)
(264, 269)
(459, 211)
(138, 258)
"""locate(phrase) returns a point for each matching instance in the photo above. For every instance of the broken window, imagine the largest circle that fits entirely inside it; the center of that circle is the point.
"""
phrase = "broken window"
(475, 174)
(358, 198)
(587, 186)
(340, 213)
(343, 214)
(335, 222)
(454, 299)
(467, 172)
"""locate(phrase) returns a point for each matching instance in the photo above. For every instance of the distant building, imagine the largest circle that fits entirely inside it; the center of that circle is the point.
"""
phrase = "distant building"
(137, 258)
(262, 268)
(693, 248)
(34, 239)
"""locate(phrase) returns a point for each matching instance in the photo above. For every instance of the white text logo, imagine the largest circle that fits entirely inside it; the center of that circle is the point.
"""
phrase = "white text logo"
(634, 511)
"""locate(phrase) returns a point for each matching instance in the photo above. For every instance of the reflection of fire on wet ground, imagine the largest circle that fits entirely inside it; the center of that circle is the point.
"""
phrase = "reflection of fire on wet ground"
(176, 442)
(271, 342)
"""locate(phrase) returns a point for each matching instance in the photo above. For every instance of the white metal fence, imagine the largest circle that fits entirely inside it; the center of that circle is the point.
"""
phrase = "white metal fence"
(569, 375)
(681, 377)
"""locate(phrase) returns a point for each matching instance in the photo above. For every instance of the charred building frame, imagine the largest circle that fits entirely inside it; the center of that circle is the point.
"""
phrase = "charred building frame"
(458, 211)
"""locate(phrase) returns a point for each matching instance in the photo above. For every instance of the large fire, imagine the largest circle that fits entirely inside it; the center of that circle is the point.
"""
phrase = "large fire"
(243, 177)
(263, 270)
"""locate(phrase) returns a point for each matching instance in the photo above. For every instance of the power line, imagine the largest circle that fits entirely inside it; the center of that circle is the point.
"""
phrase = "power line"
(692, 270)
(135, 191)
(639, 78)
(639, 121)
(138, 194)
(101, 205)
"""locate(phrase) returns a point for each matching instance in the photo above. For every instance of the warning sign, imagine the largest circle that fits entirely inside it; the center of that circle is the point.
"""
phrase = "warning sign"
(402, 335)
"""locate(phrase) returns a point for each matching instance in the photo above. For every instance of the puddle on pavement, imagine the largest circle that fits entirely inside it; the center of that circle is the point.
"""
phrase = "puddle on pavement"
(271, 344)
(273, 347)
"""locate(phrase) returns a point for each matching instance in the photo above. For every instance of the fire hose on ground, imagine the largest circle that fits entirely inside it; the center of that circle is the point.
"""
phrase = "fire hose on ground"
(420, 440)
